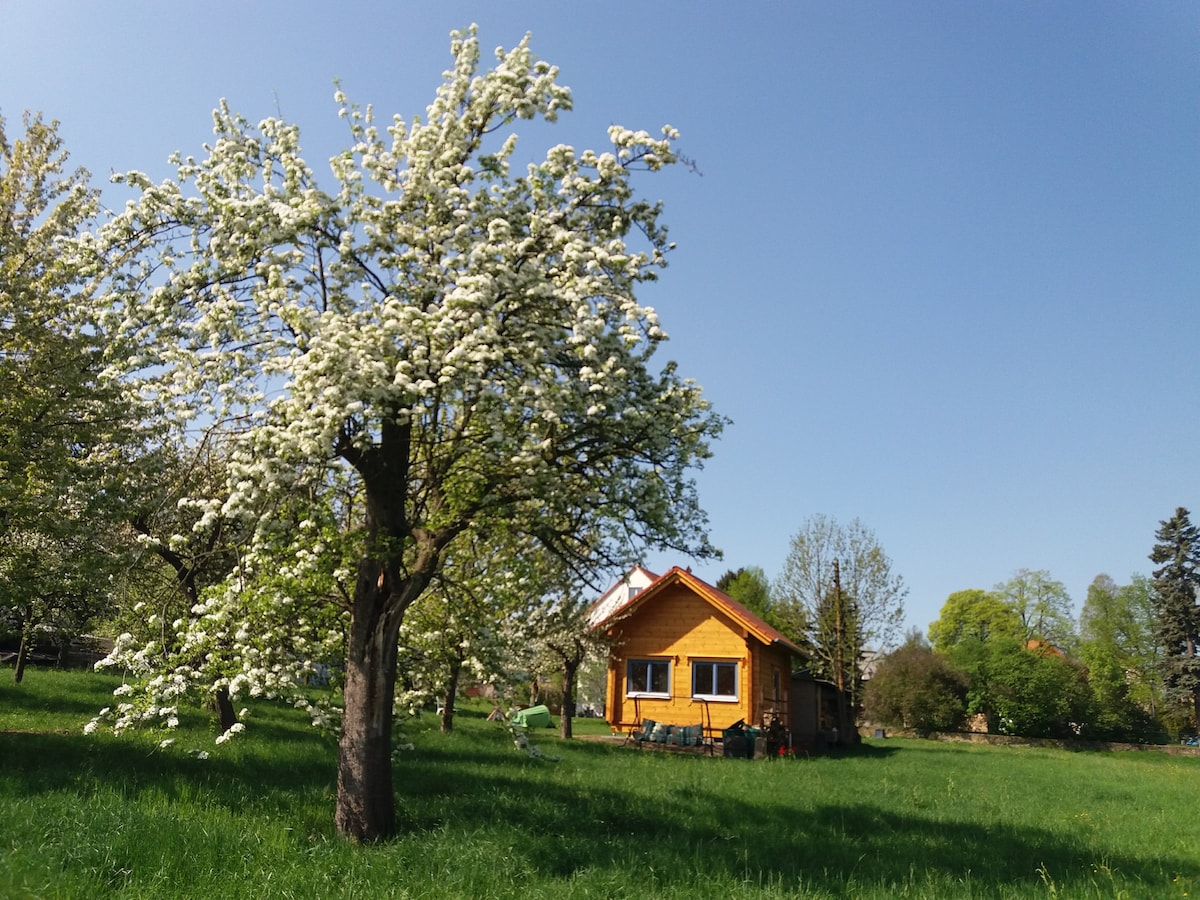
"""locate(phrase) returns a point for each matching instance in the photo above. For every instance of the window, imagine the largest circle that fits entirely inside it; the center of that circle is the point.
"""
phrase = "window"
(714, 680)
(648, 677)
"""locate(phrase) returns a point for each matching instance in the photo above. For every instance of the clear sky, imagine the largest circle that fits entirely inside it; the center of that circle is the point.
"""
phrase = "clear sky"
(939, 266)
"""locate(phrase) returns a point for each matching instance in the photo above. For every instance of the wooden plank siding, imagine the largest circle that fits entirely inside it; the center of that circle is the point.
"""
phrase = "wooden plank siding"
(682, 621)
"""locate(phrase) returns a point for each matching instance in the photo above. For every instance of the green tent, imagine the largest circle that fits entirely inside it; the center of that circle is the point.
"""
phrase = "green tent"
(533, 717)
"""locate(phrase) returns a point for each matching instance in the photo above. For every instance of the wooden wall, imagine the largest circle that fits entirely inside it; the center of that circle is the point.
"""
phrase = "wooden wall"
(680, 626)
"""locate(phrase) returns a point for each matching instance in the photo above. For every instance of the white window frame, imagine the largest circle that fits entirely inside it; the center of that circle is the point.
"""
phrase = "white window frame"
(631, 691)
(712, 665)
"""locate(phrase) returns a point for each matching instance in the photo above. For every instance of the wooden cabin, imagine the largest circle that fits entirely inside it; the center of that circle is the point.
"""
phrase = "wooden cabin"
(684, 652)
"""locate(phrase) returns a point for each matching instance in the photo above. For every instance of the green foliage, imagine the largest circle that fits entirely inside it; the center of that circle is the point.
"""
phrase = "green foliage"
(915, 688)
(460, 630)
(837, 595)
(749, 586)
(1043, 607)
(1011, 643)
(1176, 584)
(1037, 692)
(973, 616)
(65, 428)
(119, 817)
(1117, 645)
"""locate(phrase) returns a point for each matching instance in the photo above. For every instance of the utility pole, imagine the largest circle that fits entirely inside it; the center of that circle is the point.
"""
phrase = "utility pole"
(839, 662)
(839, 652)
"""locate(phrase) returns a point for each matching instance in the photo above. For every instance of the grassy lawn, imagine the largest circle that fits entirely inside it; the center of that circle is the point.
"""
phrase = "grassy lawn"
(101, 816)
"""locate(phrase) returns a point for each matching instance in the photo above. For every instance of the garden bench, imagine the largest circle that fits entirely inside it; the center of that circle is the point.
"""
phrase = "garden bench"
(670, 736)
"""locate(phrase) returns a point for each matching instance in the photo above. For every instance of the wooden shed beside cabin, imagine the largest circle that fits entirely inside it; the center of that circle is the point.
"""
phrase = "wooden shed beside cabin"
(820, 718)
(686, 653)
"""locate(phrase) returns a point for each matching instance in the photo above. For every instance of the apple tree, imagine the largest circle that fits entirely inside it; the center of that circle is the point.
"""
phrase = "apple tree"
(456, 338)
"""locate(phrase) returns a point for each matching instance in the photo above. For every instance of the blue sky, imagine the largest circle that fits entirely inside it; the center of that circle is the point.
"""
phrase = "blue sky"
(939, 266)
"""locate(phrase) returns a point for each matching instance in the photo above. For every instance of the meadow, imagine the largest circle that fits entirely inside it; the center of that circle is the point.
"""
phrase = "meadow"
(104, 816)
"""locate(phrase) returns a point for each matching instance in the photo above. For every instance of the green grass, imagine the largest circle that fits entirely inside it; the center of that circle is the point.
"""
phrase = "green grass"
(101, 816)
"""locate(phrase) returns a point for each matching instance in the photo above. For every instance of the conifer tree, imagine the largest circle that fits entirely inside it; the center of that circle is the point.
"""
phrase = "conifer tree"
(1178, 614)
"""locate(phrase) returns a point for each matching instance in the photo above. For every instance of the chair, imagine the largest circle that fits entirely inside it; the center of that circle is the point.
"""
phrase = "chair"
(693, 736)
(645, 733)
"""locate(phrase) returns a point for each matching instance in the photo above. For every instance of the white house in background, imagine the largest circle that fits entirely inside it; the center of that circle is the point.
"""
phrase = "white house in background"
(627, 587)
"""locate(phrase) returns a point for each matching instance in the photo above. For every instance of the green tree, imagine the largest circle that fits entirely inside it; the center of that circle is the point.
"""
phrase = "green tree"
(836, 634)
(1176, 580)
(1139, 640)
(1117, 645)
(445, 637)
(473, 622)
(865, 572)
(836, 596)
(972, 623)
(973, 617)
(981, 632)
(462, 344)
(1043, 606)
(53, 586)
(565, 641)
(915, 688)
(65, 428)
(1037, 692)
(750, 587)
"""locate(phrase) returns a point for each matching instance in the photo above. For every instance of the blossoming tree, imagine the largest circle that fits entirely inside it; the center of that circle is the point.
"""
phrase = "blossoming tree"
(459, 628)
(64, 429)
(459, 342)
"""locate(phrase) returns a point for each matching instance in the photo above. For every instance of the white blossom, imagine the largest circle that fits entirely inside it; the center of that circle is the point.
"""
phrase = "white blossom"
(487, 312)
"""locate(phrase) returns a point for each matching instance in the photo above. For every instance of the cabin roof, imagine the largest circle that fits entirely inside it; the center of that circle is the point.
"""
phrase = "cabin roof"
(753, 624)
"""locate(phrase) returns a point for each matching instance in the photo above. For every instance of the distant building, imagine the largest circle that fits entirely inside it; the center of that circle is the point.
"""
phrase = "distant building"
(629, 586)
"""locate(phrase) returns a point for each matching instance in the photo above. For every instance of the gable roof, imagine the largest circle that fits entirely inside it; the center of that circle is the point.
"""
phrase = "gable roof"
(754, 625)
(618, 596)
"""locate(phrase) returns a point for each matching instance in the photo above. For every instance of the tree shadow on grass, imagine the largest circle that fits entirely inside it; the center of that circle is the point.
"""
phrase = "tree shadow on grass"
(690, 834)
(41, 763)
(29, 705)
(673, 836)
(863, 751)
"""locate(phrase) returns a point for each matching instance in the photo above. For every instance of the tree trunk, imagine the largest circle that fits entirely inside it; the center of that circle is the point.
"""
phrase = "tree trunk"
(570, 669)
(365, 802)
(1196, 709)
(450, 694)
(28, 624)
(22, 656)
(185, 574)
(1191, 654)
(223, 707)
(842, 717)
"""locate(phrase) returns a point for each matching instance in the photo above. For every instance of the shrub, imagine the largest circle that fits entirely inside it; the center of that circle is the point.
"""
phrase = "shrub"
(916, 688)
